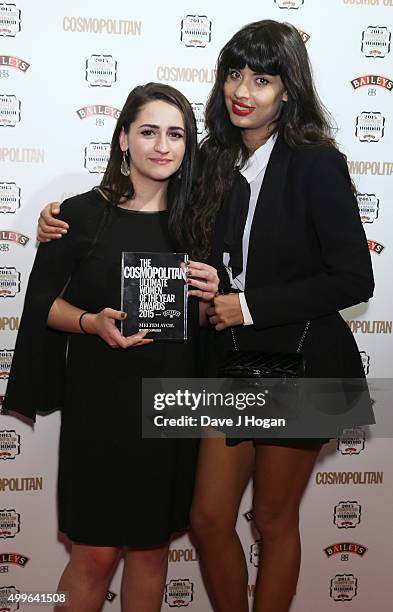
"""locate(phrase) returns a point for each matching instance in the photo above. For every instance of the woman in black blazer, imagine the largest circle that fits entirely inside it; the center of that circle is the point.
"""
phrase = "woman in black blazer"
(276, 202)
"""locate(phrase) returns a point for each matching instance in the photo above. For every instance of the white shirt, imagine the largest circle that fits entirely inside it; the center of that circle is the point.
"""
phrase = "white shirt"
(254, 173)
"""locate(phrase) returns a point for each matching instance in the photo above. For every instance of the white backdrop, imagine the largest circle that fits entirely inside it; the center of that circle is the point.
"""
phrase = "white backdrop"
(65, 69)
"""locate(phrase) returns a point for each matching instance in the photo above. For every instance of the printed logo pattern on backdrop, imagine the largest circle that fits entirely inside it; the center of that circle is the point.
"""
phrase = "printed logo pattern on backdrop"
(107, 55)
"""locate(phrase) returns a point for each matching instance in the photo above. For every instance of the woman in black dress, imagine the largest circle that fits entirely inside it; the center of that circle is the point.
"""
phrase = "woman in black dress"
(116, 491)
(276, 203)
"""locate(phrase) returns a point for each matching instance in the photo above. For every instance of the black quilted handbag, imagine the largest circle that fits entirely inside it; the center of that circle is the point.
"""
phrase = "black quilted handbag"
(264, 364)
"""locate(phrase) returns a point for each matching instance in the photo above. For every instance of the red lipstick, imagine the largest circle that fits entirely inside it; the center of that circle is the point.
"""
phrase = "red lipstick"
(241, 109)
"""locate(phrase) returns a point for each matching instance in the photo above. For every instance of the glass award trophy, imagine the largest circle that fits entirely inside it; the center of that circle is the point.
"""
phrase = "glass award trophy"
(154, 295)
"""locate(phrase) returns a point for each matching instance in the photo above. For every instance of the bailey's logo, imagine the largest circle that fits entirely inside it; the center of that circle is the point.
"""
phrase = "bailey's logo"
(365, 361)
(196, 30)
(343, 587)
(374, 80)
(9, 444)
(11, 236)
(352, 441)
(5, 362)
(11, 61)
(9, 523)
(98, 109)
(9, 110)
(199, 112)
(179, 593)
(97, 156)
(370, 126)
(9, 282)
(347, 514)
(289, 4)
(7, 595)
(101, 70)
(375, 247)
(368, 207)
(376, 41)
(13, 558)
(345, 548)
(255, 553)
(9, 197)
(305, 37)
(9, 19)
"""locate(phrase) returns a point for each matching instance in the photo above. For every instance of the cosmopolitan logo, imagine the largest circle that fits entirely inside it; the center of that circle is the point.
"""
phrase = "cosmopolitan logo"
(11, 236)
(24, 155)
(375, 168)
(372, 79)
(368, 207)
(97, 156)
(9, 197)
(14, 62)
(101, 70)
(10, 110)
(9, 324)
(289, 4)
(9, 283)
(349, 478)
(187, 74)
(175, 555)
(9, 19)
(345, 547)
(9, 523)
(9, 444)
(375, 247)
(96, 25)
(370, 2)
(98, 109)
(196, 31)
(376, 41)
(343, 587)
(14, 558)
(27, 483)
(370, 327)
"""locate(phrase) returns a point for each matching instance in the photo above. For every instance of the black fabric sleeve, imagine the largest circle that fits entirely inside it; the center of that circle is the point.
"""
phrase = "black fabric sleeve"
(346, 277)
(37, 371)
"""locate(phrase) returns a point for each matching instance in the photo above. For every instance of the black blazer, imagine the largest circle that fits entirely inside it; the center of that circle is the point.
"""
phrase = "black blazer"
(308, 254)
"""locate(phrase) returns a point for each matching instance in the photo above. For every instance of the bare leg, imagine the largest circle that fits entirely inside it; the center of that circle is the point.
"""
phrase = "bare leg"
(281, 475)
(87, 577)
(222, 475)
(143, 579)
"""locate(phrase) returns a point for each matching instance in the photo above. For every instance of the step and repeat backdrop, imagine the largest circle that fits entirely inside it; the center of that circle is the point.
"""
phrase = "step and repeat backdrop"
(65, 71)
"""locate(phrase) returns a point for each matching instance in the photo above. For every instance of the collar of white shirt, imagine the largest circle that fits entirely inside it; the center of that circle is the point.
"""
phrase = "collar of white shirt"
(258, 160)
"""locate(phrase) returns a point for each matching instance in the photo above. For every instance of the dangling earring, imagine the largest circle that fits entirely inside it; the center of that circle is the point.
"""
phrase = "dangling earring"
(124, 167)
(179, 174)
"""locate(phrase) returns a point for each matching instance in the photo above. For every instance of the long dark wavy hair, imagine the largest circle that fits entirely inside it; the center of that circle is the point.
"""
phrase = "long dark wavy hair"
(266, 47)
(119, 188)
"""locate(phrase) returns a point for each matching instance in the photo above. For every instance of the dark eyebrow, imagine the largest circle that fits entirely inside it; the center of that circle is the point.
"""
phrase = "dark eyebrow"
(157, 127)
